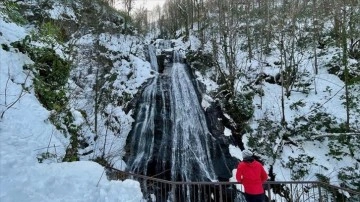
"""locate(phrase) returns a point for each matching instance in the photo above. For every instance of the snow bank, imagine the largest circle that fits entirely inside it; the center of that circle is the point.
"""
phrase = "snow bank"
(77, 181)
(27, 137)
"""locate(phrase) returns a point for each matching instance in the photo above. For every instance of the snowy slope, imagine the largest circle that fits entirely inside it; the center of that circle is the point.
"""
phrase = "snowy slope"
(305, 148)
(26, 135)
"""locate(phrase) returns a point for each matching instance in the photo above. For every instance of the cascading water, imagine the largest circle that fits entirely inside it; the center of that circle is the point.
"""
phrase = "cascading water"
(170, 137)
(152, 57)
(191, 140)
(149, 140)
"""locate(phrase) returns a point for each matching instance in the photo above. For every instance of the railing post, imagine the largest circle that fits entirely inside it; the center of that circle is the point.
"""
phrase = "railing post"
(319, 189)
(291, 192)
(173, 192)
(221, 193)
(269, 191)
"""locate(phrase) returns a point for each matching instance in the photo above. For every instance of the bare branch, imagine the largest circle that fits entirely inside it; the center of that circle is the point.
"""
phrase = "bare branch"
(22, 93)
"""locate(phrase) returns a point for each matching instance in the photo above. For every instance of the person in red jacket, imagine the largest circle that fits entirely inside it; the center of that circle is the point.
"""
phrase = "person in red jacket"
(252, 175)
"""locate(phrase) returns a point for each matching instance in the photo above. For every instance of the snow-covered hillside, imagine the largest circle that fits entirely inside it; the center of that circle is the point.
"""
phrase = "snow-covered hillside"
(305, 137)
(31, 147)
(26, 134)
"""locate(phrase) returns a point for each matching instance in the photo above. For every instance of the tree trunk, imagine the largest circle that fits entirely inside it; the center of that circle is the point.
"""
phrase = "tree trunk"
(346, 71)
(96, 108)
(248, 34)
(315, 36)
(283, 59)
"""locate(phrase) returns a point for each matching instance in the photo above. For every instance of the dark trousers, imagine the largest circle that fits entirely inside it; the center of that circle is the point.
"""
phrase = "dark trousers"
(255, 197)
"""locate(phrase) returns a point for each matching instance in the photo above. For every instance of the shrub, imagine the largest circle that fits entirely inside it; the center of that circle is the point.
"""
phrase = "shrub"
(5, 47)
(12, 10)
(51, 33)
(266, 136)
(350, 176)
(300, 166)
(74, 132)
(51, 75)
(319, 121)
(296, 105)
(241, 107)
(46, 156)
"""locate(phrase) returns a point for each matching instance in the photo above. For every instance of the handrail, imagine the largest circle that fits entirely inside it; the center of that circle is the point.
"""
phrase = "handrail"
(287, 191)
(231, 183)
(339, 188)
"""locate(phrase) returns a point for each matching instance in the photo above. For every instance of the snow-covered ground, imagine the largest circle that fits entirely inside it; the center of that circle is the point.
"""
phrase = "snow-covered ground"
(26, 134)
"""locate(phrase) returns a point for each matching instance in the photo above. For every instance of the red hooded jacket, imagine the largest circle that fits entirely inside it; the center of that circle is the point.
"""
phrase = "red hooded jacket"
(252, 175)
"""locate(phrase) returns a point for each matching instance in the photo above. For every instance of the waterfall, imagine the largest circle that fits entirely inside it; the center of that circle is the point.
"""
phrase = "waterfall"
(150, 138)
(152, 56)
(143, 130)
(191, 140)
(176, 57)
(170, 137)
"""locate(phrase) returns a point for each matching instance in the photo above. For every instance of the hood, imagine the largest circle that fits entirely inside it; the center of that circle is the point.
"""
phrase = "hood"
(248, 159)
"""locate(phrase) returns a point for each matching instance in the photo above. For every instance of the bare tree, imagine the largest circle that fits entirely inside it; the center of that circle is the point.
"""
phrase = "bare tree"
(111, 2)
(129, 5)
(345, 63)
(337, 21)
(315, 35)
(141, 20)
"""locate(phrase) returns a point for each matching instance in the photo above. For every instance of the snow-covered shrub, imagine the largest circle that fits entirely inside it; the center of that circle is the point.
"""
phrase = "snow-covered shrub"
(322, 178)
(200, 61)
(11, 9)
(241, 107)
(266, 137)
(303, 82)
(351, 176)
(65, 122)
(318, 121)
(51, 75)
(47, 157)
(335, 66)
(5, 47)
(73, 130)
(355, 98)
(50, 33)
(299, 166)
(296, 105)
(304, 41)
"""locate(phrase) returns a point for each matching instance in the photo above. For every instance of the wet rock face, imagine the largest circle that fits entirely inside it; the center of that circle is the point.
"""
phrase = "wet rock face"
(161, 62)
(215, 117)
(217, 121)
